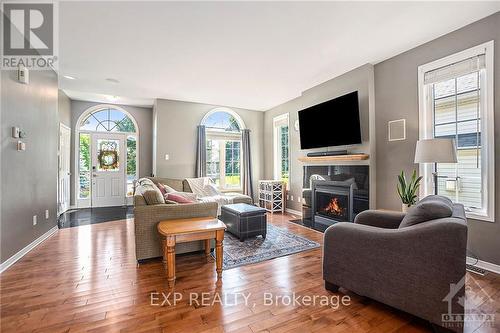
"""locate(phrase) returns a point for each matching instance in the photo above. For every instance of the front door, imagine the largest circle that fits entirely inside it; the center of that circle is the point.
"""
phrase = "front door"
(108, 169)
(64, 168)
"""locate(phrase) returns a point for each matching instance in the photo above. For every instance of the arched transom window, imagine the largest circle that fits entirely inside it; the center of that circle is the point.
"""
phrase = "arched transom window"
(108, 120)
(223, 132)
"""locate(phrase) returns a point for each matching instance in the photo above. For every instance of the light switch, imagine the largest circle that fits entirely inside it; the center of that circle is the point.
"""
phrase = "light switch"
(34, 220)
(167, 157)
(46, 214)
(21, 146)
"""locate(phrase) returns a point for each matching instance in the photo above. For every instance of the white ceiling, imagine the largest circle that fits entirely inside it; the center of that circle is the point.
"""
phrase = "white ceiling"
(253, 55)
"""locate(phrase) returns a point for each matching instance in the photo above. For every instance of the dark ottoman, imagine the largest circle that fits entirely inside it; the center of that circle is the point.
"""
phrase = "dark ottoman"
(244, 220)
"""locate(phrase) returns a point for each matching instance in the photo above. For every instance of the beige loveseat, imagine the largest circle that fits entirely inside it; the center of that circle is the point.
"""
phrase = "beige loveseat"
(146, 217)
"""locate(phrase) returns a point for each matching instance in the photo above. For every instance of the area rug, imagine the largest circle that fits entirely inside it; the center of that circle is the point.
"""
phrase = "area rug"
(279, 242)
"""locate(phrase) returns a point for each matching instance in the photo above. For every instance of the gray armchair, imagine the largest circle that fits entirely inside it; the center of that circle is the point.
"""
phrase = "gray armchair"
(413, 262)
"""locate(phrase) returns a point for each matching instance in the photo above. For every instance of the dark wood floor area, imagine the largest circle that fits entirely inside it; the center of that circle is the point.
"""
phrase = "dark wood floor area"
(85, 279)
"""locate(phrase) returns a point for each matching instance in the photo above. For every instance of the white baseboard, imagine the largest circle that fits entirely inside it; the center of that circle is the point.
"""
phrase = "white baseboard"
(293, 211)
(484, 265)
(12, 260)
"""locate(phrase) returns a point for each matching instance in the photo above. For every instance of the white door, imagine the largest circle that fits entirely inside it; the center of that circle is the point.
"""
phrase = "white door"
(108, 169)
(64, 168)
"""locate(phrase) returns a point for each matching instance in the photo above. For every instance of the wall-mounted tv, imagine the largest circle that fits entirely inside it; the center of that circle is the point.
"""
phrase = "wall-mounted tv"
(332, 123)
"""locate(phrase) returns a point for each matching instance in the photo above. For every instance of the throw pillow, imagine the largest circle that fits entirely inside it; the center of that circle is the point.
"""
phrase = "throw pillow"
(177, 198)
(426, 210)
(165, 189)
(153, 197)
(151, 193)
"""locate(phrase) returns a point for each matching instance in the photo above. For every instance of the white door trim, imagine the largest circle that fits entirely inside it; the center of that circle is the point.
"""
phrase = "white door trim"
(61, 209)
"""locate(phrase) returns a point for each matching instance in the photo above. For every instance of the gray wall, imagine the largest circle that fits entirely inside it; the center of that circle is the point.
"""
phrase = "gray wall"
(396, 96)
(28, 178)
(64, 108)
(360, 79)
(176, 135)
(144, 118)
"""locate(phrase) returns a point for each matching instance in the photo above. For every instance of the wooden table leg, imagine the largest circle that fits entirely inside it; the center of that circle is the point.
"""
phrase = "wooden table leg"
(207, 247)
(170, 254)
(165, 255)
(219, 237)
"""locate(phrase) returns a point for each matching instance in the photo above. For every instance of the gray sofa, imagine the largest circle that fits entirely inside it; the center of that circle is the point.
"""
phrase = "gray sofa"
(147, 216)
(413, 262)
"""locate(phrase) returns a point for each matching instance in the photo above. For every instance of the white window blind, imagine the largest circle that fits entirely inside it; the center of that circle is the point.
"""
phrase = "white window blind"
(451, 71)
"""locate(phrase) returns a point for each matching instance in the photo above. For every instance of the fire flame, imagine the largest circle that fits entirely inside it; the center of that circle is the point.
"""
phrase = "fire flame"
(334, 207)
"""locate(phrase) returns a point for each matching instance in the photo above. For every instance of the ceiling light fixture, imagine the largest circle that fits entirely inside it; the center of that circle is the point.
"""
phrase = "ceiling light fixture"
(111, 98)
(69, 77)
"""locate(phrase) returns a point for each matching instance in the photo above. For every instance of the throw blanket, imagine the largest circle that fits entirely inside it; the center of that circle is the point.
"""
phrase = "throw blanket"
(206, 192)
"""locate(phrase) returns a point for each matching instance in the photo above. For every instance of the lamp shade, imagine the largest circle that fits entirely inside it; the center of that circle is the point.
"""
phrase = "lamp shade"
(436, 151)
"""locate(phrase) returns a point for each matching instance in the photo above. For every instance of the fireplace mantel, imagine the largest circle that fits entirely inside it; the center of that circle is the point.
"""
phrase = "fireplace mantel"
(351, 157)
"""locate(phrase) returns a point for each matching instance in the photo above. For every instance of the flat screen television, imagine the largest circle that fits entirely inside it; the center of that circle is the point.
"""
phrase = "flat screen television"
(332, 123)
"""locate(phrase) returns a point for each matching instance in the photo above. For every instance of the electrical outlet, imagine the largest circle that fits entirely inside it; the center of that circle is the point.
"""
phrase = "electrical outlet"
(291, 197)
(287, 197)
(299, 199)
(46, 214)
(34, 220)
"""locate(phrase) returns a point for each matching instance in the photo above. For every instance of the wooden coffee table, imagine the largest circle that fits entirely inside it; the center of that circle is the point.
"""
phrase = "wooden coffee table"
(188, 230)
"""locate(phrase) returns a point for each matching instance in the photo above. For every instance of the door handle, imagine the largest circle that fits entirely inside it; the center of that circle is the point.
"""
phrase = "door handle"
(94, 175)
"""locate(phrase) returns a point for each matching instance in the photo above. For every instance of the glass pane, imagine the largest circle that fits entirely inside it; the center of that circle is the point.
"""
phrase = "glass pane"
(467, 82)
(131, 163)
(84, 185)
(232, 167)
(108, 120)
(84, 152)
(467, 134)
(468, 107)
(108, 154)
(125, 125)
(222, 121)
(445, 131)
(131, 156)
(445, 88)
(470, 182)
(444, 110)
(89, 124)
(213, 161)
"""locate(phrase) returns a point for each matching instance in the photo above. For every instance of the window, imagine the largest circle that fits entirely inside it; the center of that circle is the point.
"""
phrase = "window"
(108, 120)
(131, 163)
(457, 102)
(281, 148)
(84, 166)
(223, 132)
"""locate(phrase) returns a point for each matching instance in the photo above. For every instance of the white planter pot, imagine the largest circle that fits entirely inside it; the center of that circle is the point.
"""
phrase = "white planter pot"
(404, 208)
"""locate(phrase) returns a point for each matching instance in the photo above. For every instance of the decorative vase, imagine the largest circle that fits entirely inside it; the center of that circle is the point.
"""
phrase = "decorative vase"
(405, 207)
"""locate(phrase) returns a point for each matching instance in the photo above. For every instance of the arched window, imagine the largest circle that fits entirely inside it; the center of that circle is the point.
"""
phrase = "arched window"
(107, 120)
(122, 131)
(223, 131)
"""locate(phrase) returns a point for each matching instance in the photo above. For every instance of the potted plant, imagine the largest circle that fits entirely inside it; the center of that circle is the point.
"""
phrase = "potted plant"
(407, 190)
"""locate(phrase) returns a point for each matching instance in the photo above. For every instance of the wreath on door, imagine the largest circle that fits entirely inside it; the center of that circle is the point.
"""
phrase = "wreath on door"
(108, 159)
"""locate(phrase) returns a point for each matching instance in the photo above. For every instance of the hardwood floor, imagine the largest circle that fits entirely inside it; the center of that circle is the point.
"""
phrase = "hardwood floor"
(85, 279)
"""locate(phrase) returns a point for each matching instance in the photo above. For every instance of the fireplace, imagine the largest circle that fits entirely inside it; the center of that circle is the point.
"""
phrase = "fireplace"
(332, 202)
(333, 206)
(349, 184)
